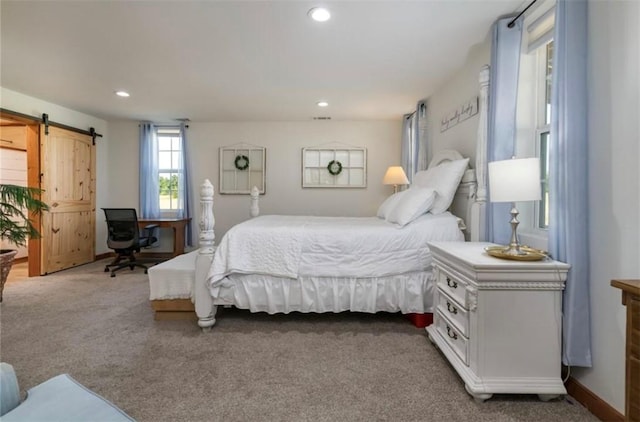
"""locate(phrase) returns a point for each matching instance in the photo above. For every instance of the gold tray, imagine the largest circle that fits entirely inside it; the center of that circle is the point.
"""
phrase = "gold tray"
(531, 254)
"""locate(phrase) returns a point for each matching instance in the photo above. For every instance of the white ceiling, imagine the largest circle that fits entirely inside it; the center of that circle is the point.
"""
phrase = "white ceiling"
(238, 60)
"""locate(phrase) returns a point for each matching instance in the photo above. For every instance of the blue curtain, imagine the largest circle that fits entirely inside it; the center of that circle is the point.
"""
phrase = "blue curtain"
(407, 145)
(414, 139)
(420, 151)
(505, 66)
(569, 193)
(185, 189)
(149, 188)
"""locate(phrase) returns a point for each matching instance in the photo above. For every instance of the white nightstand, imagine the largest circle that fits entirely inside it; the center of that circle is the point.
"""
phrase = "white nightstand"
(499, 322)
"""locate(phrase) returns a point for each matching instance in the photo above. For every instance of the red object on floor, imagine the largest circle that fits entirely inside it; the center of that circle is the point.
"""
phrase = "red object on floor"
(421, 320)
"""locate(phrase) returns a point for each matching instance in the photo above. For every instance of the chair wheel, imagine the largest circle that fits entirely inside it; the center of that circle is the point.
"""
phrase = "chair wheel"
(131, 267)
(106, 269)
(113, 274)
(145, 271)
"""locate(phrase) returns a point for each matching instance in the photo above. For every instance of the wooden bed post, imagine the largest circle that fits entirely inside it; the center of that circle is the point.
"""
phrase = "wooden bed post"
(205, 310)
(478, 209)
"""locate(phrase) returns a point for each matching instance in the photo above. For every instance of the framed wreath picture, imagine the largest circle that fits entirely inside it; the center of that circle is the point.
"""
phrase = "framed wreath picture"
(242, 166)
(339, 167)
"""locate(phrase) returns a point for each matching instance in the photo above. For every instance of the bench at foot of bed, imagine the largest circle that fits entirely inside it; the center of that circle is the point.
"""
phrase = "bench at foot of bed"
(174, 309)
(173, 279)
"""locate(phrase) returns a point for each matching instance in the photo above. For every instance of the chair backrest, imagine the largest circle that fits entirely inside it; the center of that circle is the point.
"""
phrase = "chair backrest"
(122, 224)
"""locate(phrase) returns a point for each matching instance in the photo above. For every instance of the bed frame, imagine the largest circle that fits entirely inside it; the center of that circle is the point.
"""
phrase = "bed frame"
(469, 203)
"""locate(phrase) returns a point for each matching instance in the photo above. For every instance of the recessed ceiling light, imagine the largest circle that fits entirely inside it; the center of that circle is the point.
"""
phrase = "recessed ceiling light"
(122, 94)
(322, 103)
(319, 14)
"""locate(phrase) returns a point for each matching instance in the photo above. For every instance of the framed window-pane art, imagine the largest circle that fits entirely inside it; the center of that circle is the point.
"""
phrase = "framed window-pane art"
(340, 167)
(241, 168)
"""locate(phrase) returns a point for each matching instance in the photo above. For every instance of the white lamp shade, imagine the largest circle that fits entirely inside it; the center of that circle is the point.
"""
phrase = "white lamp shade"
(395, 176)
(514, 180)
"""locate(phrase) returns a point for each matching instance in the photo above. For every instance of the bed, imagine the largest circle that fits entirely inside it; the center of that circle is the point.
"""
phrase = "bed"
(281, 264)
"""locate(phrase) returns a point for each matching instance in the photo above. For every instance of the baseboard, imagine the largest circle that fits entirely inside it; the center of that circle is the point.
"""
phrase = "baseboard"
(598, 407)
(147, 255)
(21, 260)
(104, 255)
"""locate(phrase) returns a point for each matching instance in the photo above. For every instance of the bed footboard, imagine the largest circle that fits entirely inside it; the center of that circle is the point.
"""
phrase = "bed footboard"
(205, 309)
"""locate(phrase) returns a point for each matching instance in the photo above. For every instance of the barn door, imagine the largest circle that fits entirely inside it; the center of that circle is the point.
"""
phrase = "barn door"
(68, 178)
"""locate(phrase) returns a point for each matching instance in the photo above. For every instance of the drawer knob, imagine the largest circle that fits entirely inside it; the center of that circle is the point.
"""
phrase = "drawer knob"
(451, 283)
(451, 308)
(451, 333)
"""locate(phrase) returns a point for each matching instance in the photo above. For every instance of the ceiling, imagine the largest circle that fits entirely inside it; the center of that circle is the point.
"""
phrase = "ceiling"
(238, 60)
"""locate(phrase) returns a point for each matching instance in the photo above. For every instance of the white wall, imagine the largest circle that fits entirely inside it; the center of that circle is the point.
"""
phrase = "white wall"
(461, 87)
(614, 182)
(284, 141)
(31, 106)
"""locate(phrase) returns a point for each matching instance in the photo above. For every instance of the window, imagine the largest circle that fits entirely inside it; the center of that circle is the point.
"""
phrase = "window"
(170, 173)
(545, 56)
(534, 115)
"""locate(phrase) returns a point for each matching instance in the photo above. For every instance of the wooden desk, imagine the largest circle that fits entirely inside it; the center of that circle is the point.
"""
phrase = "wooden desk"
(631, 299)
(177, 224)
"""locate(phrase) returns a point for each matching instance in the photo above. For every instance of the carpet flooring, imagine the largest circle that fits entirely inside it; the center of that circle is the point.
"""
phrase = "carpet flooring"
(250, 367)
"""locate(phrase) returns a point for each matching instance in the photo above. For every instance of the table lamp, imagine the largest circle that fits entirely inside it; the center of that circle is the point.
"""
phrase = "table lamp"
(395, 176)
(513, 181)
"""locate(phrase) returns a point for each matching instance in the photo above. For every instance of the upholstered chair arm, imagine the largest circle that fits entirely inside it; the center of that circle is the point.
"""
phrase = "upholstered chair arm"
(9, 389)
(150, 234)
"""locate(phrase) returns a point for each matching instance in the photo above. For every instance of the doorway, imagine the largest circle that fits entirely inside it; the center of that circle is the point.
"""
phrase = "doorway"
(62, 163)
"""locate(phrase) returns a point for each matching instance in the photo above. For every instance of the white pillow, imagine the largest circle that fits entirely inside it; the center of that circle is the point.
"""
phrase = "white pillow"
(414, 203)
(389, 204)
(444, 178)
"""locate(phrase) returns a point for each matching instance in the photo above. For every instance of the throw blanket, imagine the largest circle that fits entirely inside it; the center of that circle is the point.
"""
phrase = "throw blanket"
(302, 246)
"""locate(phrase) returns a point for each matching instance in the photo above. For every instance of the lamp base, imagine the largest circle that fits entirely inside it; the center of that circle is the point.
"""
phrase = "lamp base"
(522, 253)
(515, 251)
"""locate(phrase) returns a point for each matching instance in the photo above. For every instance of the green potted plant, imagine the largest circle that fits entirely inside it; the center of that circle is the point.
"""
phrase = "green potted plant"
(15, 226)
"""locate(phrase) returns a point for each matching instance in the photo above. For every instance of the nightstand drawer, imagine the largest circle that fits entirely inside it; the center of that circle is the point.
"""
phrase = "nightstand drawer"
(452, 336)
(454, 312)
(453, 287)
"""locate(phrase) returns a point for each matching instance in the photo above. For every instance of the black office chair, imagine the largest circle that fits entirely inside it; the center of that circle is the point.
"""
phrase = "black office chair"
(125, 238)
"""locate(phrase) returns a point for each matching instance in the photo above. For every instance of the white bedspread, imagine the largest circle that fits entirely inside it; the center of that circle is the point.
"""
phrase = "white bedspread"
(302, 246)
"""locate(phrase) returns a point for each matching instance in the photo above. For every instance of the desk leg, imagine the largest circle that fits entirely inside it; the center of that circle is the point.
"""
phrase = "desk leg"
(178, 240)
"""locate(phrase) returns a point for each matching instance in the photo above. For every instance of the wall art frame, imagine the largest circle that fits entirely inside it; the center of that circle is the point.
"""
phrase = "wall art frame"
(242, 166)
(334, 167)
(460, 114)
